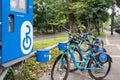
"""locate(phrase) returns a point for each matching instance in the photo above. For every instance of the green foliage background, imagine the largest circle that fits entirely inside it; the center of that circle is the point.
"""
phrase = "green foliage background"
(52, 14)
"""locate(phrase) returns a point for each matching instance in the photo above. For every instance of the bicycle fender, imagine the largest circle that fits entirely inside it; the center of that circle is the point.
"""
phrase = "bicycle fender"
(109, 58)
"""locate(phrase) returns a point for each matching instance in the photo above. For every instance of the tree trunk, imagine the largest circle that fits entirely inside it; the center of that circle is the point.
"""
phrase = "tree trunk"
(37, 25)
(112, 18)
(54, 29)
(88, 25)
(72, 18)
(102, 26)
(72, 22)
(97, 28)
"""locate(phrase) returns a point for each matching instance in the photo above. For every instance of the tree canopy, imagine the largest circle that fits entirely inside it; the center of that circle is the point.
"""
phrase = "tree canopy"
(51, 14)
(118, 2)
(117, 22)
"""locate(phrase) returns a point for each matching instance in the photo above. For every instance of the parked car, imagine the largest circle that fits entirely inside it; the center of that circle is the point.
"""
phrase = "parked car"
(117, 30)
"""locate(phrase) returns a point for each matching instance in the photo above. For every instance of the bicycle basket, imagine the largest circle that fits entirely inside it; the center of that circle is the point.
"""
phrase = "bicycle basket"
(62, 46)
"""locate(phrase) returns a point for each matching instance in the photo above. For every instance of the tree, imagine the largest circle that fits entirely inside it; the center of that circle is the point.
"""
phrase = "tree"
(95, 14)
(39, 14)
(55, 14)
(113, 14)
(118, 2)
(71, 12)
(72, 9)
(59, 12)
(117, 22)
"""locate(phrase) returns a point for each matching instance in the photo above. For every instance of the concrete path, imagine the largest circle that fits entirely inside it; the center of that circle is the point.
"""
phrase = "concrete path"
(44, 37)
(113, 48)
(112, 44)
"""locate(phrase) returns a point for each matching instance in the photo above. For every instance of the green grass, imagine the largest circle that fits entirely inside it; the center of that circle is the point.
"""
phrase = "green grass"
(47, 43)
(32, 69)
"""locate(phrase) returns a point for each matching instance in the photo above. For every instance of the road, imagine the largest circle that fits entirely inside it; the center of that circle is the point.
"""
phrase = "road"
(112, 44)
(44, 37)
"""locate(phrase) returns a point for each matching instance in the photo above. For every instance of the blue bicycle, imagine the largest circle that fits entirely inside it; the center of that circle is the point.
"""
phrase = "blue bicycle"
(86, 39)
(98, 64)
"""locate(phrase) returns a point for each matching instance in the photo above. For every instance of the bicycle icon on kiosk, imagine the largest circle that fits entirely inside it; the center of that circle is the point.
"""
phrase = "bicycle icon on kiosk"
(26, 37)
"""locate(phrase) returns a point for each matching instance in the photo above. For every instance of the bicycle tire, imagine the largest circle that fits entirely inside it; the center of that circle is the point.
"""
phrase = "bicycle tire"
(62, 67)
(99, 77)
(84, 45)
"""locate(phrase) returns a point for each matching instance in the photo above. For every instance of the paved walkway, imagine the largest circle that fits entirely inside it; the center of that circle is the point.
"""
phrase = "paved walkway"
(113, 47)
(112, 44)
(44, 37)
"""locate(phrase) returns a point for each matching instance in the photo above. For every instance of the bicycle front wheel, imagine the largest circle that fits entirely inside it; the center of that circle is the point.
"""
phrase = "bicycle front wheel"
(98, 42)
(101, 73)
(60, 68)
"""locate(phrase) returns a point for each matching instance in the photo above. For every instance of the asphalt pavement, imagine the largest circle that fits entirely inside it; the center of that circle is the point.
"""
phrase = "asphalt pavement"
(49, 36)
(112, 44)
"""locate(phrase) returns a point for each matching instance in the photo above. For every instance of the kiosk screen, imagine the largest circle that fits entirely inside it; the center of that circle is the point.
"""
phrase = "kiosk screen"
(18, 5)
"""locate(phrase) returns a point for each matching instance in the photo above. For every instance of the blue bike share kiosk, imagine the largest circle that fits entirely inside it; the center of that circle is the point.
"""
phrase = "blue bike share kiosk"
(16, 29)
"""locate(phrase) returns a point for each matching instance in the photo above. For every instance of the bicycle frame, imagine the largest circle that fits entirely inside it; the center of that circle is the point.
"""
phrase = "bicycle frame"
(85, 60)
(87, 57)
(93, 59)
(86, 38)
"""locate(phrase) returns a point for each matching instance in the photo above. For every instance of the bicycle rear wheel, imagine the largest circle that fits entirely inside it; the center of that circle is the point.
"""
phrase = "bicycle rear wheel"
(60, 68)
(99, 74)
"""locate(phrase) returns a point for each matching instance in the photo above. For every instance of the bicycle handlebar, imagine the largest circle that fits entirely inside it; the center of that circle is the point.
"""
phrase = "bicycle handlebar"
(93, 45)
(78, 37)
(66, 29)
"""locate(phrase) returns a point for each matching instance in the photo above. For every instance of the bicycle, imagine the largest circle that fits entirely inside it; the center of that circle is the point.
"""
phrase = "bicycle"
(89, 62)
(86, 39)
